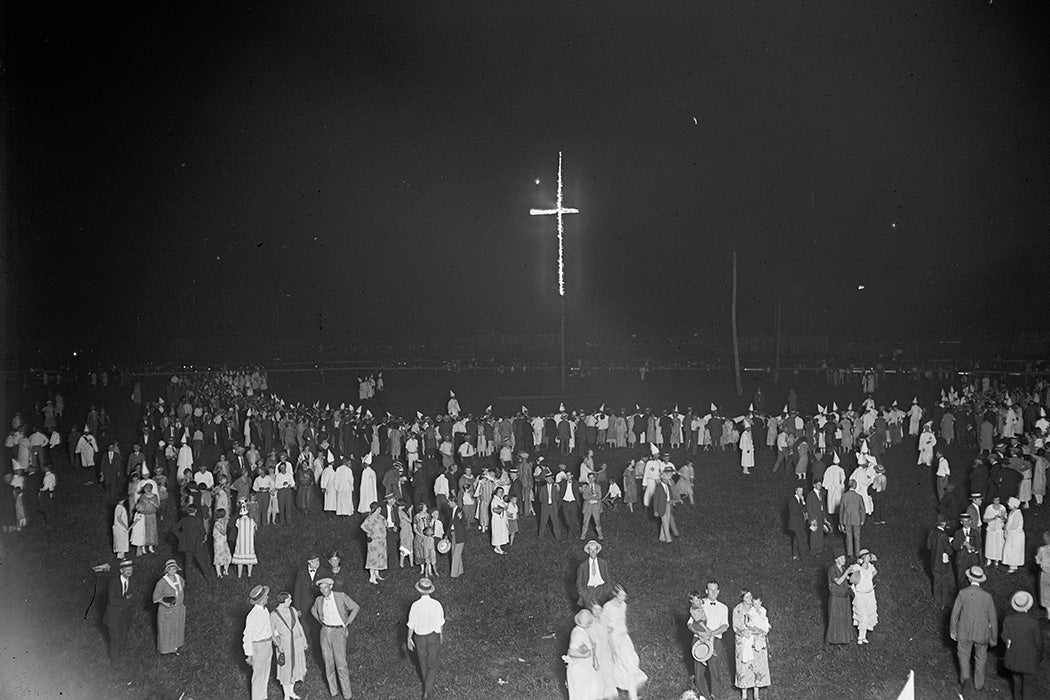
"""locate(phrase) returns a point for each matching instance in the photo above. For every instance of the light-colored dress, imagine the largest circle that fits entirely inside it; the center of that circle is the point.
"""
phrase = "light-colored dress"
(289, 639)
(148, 505)
(747, 450)
(171, 620)
(752, 655)
(500, 534)
(627, 673)
(375, 527)
(1013, 552)
(994, 537)
(222, 555)
(865, 609)
(1042, 560)
(582, 680)
(598, 631)
(683, 488)
(138, 530)
(244, 550)
(120, 530)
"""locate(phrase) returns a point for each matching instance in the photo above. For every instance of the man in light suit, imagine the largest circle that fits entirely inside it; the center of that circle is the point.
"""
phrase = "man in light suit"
(851, 518)
(662, 506)
(334, 610)
(592, 577)
(974, 627)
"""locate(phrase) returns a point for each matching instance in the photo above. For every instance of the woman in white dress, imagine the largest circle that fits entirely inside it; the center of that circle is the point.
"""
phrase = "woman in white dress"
(1013, 552)
(244, 550)
(120, 530)
(862, 581)
(498, 508)
(581, 677)
(994, 537)
(626, 671)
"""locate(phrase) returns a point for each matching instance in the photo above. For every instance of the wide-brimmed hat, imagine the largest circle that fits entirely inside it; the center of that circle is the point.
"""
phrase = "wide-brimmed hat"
(702, 650)
(583, 618)
(976, 574)
(425, 586)
(258, 593)
(1013, 502)
(125, 564)
(443, 545)
(1022, 601)
(592, 545)
(866, 553)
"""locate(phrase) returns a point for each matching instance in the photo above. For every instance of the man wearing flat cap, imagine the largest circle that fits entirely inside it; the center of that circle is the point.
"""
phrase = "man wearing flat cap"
(593, 582)
(334, 611)
(974, 627)
(117, 617)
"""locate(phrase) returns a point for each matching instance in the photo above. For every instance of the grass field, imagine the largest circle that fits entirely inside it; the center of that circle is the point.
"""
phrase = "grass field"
(509, 617)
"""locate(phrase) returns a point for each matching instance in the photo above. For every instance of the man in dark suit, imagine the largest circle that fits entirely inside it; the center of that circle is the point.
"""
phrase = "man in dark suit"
(940, 547)
(816, 517)
(570, 502)
(304, 591)
(390, 515)
(117, 616)
(851, 518)
(592, 577)
(974, 627)
(548, 499)
(112, 470)
(192, 540)
(798, 523)
(967, 546)
(458, 534)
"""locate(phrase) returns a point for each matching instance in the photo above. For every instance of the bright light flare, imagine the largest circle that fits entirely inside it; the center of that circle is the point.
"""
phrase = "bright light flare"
(860, 287)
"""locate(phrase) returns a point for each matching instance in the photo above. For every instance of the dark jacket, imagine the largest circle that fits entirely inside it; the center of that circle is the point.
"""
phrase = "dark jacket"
(304, 591)
(796, 513)
(190, 534)
(118, 605)
(1024, 643)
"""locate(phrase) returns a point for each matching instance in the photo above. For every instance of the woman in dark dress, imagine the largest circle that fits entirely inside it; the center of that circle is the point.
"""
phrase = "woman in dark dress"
(840, 611)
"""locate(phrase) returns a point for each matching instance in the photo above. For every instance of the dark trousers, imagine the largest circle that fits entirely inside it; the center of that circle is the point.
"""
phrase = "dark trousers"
(943, 588)
(571, 512)
(428, 651)
(118, 637)
(285, 503)
(1025, 686)
(548, 513)
(715, 673)
(816, 540)
(799, 543)
(202, 559)
(878, 506)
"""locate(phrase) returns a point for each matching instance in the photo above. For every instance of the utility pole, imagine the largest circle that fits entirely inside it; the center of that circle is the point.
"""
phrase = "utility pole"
(736, 339)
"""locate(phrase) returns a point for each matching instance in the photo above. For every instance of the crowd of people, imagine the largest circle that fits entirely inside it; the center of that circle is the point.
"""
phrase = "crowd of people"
(219, 459)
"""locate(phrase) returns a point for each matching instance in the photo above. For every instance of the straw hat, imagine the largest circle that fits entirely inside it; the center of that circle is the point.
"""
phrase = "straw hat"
(702, 650)
(258, 593)
(592, 545)
(1021, 601)
(425, 586)
(976, 574)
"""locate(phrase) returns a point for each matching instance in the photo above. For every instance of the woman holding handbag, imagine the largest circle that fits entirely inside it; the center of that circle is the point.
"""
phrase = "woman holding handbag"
(289, 641)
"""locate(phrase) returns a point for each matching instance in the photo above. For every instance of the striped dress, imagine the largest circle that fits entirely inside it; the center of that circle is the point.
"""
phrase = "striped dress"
(244, 551)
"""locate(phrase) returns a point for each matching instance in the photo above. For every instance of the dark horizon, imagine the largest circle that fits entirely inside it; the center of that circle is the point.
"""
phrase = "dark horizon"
(366, 170)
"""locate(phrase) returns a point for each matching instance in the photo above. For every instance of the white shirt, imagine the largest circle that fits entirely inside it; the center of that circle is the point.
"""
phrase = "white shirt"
(124, 582)
(595, 579)
(330, 613)
(49, 482)
(283, 481)
(942, 467)
(717, 614)
(257, 628)
(569, 495)
(204, 478)
(426, 616)
(441, 485)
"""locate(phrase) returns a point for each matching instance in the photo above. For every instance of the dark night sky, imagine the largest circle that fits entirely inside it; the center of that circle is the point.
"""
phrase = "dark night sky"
(235, 169)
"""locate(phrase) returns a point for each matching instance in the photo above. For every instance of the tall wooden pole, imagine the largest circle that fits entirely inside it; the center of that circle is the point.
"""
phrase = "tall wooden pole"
(562, 297)
(776, 361)
(736, 340)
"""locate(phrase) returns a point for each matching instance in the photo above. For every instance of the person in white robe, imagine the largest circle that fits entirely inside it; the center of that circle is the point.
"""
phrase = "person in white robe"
(343, 485)
(1013, 552)
(327, 482)
(651, 477)
(368, 493)
(747, 450)
(453, 405)
(927, 441)
(834, 484)
(864, 475)
(914, 417)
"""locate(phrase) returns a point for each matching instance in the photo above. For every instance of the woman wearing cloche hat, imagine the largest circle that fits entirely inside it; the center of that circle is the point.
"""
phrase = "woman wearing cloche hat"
(170, 596)
(1024, 645)
(1013, 552)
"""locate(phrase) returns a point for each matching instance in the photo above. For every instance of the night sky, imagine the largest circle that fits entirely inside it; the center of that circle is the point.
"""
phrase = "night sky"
(365, 169)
